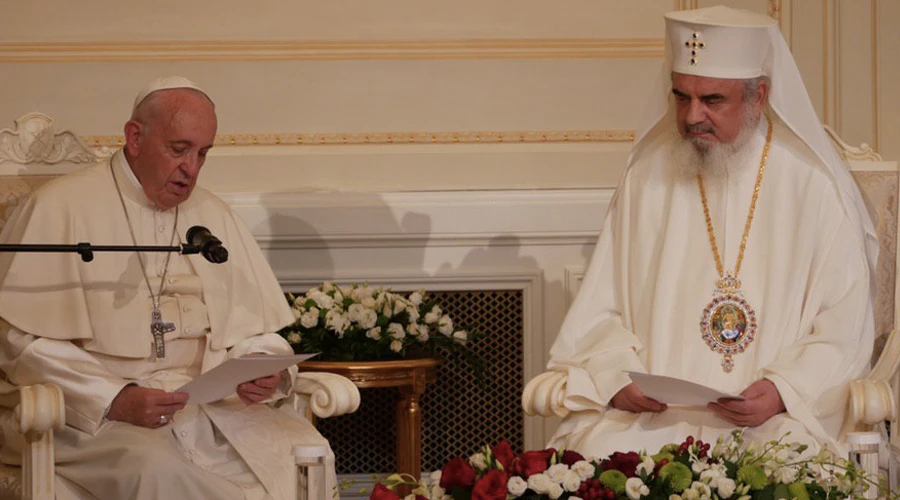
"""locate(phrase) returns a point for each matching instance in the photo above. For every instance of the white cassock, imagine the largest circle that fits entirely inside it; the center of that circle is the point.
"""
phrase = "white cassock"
(653, 273)
(85, 326)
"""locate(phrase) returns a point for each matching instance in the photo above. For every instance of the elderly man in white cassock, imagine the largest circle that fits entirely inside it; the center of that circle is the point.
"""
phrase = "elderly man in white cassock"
(87, 326)
(736, 254)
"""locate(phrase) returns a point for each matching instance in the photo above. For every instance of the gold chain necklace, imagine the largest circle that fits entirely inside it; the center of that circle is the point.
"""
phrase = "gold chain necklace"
(158, 327)
(728, 323)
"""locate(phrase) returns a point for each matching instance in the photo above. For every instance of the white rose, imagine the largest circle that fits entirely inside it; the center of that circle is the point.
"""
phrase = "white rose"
(646, 466)
(635, 488)
(336, 320)
(322, 300)
(369, 303)
(374, 333)
(326, 287)
(395, 330)
(399, 307)
(698, 466)
(712, 474)
(478, 461)
(539, 483)
(690, 495)
(584, 469)
(437, 493)
(725, 487)
(412, 329)
(309, 320)
(369, 318)
(460, 336)
(433, 316)
(555, 492)
(416, 298)
(423, 337)
(675, 497)
(296, 312)
(293, 337)
(557, 472)
(355, 312)
(704, 492)
(396, 345)
(445, 325)
(516, 486)
(413, 313)
(571, 481)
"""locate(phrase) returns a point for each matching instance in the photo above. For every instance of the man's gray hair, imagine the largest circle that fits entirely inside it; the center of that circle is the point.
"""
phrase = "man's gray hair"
(751, 87)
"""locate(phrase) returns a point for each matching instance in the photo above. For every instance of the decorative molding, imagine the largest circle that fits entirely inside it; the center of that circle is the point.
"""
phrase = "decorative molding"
(572, 280)
(105, 144)
(775, 9)
(864, 152)
(34, 140)
(318, 50)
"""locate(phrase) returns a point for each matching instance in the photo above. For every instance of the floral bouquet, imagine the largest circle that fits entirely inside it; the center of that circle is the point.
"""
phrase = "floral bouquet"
(359, 323)
(692, 470)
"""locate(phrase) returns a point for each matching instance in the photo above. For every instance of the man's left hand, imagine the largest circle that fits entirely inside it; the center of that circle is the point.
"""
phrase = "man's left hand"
(258, 390)
(761, 402)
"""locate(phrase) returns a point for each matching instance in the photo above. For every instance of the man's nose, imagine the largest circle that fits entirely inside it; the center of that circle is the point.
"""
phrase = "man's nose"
(191, 165)
(695, 113)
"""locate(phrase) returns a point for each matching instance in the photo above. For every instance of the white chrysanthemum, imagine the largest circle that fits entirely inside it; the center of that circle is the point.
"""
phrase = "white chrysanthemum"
(433, 316)
(396, 345)
(338, 321)
(571, 481)
(395, 330)
(635, 488)
(725, 487)
(555, 492)
(374, 333)
(584, 469)
(445, 325)
(416, 298)
(293, 337)
(557, 472)
(310, 319)
(478, 461)
(539, 483)
(460, 336)
(516, 486)
(646, 466)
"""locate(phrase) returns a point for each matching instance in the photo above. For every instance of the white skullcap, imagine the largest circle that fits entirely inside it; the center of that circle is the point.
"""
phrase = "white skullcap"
(719, 42)
(166, 83)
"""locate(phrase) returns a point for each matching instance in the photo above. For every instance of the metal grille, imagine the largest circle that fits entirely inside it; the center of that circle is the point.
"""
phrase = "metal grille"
(457, 415)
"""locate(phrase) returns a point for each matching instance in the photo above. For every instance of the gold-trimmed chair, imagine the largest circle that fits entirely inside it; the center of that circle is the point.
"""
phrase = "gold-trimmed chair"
(37, 410)
(873, 399)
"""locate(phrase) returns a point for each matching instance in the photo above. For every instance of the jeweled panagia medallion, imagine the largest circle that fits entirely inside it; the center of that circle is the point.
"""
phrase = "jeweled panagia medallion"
(728, 323)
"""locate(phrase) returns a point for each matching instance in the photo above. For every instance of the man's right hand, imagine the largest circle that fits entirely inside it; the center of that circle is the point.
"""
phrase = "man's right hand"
(632, 399)
(146, 407)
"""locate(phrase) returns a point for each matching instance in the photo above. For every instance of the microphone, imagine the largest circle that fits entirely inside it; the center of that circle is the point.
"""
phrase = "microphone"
(210, 247)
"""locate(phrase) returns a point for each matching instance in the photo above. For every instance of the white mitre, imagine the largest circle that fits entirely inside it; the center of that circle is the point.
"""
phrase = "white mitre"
(166, 83)
(722, 42)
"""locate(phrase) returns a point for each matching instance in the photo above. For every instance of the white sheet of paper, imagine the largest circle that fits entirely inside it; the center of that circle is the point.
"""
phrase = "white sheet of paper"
(222, 381)
(675, 391)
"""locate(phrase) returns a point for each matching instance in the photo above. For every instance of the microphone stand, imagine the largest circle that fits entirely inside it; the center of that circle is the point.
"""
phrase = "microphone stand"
(86, 250)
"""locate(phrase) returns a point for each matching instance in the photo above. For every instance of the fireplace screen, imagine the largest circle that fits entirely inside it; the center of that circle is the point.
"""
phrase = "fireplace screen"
(458, 416)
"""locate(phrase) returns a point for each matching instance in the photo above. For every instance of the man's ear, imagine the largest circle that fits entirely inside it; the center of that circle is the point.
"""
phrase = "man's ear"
(762, 95)
(133, 137)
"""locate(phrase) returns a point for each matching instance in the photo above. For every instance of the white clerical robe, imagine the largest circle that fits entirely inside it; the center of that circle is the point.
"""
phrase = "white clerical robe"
(86, 328)
(653, 273)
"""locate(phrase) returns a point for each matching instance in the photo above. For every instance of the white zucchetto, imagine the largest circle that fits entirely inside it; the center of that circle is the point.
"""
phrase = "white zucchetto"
(166, 83)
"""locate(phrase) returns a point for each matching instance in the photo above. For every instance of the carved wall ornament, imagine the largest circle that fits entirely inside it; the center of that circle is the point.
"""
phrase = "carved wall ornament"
(34, 140)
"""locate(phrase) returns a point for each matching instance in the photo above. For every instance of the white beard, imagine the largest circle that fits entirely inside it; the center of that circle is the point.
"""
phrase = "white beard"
(713, 161)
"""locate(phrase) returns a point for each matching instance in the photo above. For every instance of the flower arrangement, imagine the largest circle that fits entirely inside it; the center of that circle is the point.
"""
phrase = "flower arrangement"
(360, 323)
(692, 470)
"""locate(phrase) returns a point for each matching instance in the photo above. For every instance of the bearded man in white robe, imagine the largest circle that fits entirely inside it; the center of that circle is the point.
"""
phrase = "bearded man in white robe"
(87, 326)
(736, 254)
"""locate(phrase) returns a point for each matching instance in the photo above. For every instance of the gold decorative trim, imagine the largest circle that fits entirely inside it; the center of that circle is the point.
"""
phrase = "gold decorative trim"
(499, 48)
(876, 89)
(399, 138)
(775, 8)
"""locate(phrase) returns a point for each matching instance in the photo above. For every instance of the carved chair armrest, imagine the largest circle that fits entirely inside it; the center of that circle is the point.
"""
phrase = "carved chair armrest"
(544, 395)
(40, 411)
(871, 398)
(328, 394)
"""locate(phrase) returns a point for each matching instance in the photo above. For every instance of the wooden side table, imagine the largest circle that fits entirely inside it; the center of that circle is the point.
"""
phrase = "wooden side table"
(410, 377)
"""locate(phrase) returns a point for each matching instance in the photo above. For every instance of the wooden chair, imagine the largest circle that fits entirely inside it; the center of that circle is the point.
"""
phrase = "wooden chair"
(38, 410)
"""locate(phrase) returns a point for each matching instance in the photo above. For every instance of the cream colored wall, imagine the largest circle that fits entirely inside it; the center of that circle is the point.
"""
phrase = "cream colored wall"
(492, 95)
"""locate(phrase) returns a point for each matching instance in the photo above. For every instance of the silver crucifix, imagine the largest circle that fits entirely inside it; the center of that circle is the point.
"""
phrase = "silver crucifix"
(159, 328)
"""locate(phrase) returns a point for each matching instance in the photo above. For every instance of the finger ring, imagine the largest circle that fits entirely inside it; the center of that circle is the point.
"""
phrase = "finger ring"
(163, 419)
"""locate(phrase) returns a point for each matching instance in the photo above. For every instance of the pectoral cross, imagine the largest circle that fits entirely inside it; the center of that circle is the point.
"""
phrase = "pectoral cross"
(159, 328)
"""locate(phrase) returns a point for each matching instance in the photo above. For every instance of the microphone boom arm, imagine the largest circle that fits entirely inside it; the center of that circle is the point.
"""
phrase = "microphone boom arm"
(86, 250)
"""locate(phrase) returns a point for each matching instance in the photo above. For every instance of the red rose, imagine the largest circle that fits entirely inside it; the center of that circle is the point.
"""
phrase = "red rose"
(457, 474)
(491, 486)
(381, 492)
(502, 451)
(626, 463)
(571, 457)
(533, 462)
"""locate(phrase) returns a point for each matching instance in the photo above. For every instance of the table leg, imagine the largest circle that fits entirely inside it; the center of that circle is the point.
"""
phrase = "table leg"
(409, 427)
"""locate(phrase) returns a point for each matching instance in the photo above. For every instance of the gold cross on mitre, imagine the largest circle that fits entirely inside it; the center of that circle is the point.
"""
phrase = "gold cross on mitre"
(694, 43)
